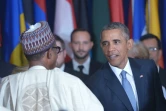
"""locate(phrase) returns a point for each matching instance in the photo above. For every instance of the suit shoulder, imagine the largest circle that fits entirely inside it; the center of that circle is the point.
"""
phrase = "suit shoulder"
(96, 62)
(65, 77)
(163, 71)
(144, 62)
(96, 77)
(68, 63)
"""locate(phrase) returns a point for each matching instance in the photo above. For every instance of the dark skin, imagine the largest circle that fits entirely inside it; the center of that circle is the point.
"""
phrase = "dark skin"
(48, 60)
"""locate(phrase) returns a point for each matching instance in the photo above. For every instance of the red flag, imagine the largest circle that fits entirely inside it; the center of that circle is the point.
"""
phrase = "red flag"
(64, 21)
(116, 10)
(130, 20)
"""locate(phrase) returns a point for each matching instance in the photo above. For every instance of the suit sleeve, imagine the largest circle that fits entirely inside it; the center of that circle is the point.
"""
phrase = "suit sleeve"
(159, 97)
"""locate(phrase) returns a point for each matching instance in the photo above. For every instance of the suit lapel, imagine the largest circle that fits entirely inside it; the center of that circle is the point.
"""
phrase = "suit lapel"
(69, 65)
(91, 68)
(139, 78)
(115, 86)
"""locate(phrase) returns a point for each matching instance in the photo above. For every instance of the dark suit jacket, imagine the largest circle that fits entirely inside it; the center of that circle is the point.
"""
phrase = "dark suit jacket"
(6, 68)
(162, 75)
(94, 66)
(83, 77)
(105, 85)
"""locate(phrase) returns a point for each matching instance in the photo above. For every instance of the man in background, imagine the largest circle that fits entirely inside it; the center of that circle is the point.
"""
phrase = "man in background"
(81, 44)
(60, 63)
(154, 46)
(138, 51)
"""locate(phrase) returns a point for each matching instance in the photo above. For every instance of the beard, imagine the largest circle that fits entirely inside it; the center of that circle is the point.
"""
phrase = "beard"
(81, 57)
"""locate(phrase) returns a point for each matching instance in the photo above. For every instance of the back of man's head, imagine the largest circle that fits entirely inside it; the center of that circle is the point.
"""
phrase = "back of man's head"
(36, 41)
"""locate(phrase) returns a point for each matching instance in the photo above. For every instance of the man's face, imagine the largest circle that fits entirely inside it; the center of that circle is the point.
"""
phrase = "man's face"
(81, 44)
(152, 46)
(52, 55)
(115, 47)
(61, 55)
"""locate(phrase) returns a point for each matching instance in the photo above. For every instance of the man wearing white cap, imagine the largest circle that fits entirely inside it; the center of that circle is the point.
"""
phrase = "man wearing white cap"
(43, 87)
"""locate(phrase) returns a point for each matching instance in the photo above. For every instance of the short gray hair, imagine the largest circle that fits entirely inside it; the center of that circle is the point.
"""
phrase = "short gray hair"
(117, 25)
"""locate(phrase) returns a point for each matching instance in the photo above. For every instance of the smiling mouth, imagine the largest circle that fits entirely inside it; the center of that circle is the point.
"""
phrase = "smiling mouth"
(113, 56)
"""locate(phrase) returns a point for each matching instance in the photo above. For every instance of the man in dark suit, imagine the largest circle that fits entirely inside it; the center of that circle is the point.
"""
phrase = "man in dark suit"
(125, 84)
(60, 63)
(154, 46)
(81, 44)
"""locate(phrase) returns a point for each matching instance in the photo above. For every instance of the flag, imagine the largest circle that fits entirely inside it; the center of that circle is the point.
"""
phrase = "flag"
(64, 21)
(162, 15)
(39, 10)
(50, 5)
(14, 25)
(81, 13)
(127, 9)
(153, 22)
(139, 25)
(28, 12)
(100, 18)
(116, 11)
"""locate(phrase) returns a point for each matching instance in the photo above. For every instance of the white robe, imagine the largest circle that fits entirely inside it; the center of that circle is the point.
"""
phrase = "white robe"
(39, 89)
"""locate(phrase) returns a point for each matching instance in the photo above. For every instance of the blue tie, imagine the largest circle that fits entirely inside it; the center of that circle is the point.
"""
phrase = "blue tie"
(129, 91)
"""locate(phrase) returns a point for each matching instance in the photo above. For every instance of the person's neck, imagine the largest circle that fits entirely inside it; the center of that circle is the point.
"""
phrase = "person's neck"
(81, 61)
(36, 63)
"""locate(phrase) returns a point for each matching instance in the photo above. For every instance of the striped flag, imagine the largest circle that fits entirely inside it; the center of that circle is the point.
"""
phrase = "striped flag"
(116, 10)
(39, 10)
(127, 9)
(81, 13)
(64, 21)
(14, 25)
(153, 22)
(139, 25)
(28, 12)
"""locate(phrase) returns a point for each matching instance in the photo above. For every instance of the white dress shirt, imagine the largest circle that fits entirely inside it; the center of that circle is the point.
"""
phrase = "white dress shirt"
(129, 76)
(86, 65)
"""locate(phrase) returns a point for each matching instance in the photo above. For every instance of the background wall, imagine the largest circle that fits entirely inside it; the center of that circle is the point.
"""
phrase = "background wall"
(141, 16)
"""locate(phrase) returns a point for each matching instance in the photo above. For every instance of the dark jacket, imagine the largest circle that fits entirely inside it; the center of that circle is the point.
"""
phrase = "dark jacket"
(108, 89)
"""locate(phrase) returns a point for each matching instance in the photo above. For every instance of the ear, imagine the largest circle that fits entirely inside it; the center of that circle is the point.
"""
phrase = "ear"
(129, 44)
(160, 54)
(49, 54)
(91, 44)
(64, 53)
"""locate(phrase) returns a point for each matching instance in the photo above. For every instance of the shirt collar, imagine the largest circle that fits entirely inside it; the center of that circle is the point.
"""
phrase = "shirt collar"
(37, 67)
(158, 68)
(86, 65)
(118, 71)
